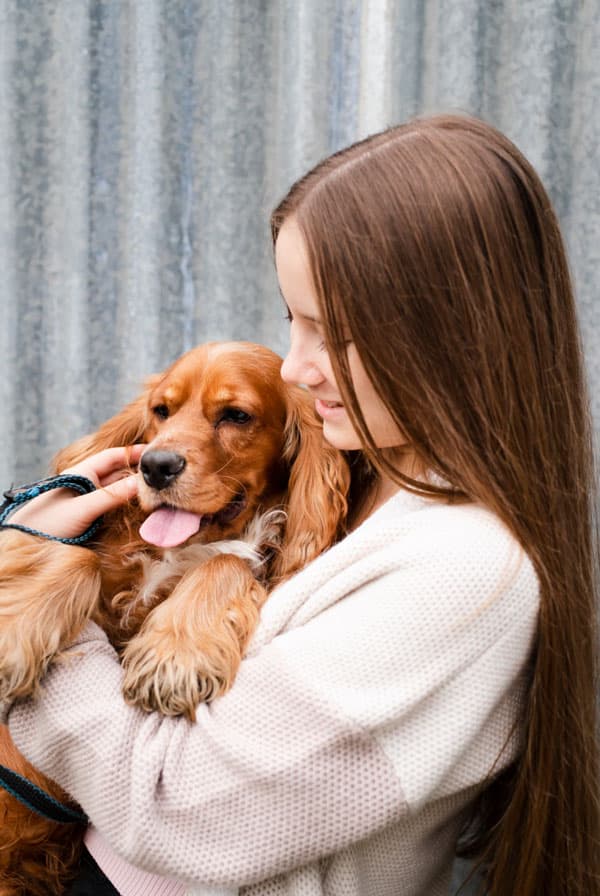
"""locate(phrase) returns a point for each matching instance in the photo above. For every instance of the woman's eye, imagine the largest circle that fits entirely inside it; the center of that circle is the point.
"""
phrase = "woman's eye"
(234, 415)
(161, 410)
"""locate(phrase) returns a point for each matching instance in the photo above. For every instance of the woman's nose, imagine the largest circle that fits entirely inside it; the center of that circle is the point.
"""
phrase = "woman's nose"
(299, 369)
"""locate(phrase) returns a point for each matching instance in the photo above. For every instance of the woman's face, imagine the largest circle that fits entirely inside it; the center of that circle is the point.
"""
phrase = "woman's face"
(307, 361)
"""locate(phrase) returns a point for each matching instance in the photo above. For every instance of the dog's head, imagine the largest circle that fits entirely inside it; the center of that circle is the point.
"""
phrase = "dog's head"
(226, 436)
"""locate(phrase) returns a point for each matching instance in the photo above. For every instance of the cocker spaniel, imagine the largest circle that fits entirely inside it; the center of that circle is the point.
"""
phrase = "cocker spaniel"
(237, 491)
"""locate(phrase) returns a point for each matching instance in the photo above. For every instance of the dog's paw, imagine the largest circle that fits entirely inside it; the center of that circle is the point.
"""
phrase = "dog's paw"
(190, 646)
(164, 675)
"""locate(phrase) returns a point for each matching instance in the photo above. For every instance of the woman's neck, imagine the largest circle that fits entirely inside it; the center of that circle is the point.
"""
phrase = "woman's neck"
(380, 491)
(377, 489)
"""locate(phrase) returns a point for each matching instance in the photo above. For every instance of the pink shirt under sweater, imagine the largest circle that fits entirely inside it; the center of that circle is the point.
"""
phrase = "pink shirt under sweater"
(129, 881)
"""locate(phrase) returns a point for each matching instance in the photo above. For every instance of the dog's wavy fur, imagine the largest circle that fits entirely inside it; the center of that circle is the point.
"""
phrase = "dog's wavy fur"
(181, 618)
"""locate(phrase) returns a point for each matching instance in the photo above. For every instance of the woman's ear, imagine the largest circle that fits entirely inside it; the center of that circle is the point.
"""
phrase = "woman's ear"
(125, 428)
(319, 480)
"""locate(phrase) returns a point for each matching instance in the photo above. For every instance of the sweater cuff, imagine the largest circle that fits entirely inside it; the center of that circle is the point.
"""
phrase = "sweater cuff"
(127, 879)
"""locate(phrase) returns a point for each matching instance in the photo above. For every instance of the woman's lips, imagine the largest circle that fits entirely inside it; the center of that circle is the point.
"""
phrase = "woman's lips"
(329, 410)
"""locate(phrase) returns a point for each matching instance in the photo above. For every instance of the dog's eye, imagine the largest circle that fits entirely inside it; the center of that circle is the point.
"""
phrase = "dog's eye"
(161, 410)
(234, 415)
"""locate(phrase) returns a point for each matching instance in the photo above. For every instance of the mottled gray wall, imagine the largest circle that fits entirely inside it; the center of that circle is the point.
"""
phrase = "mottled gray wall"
(142, 145)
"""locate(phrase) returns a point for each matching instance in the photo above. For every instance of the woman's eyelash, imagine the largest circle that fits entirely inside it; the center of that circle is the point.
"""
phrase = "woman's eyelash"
(321, 347)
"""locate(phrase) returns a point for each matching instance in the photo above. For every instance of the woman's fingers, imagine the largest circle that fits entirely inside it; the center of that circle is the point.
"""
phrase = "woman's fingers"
(81, 511)
(108, 465)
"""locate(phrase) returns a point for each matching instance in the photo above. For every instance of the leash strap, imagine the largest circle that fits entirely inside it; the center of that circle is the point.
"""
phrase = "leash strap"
(22, 789)
(38, 800)
(21, 494)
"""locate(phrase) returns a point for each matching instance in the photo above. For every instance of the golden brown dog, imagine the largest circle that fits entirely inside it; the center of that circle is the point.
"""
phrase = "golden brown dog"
(237, 491)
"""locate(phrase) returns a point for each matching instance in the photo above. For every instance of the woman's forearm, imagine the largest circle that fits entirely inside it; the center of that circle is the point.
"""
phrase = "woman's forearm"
(211, 802)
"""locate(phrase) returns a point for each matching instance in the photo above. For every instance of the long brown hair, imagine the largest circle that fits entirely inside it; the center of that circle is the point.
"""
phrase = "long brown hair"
(435, 244)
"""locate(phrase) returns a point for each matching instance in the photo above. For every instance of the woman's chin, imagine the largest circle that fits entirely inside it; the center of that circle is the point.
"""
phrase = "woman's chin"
(341, 435)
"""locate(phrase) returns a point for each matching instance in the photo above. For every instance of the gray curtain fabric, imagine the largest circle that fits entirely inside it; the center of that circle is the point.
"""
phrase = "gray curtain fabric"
(143, 144)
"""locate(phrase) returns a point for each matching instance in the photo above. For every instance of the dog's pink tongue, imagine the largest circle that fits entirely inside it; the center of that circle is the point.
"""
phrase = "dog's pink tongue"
(168, 527)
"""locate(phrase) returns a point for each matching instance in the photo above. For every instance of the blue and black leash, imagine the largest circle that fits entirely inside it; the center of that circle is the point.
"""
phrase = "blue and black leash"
(14, 497)
(21, 788)
(36, 799)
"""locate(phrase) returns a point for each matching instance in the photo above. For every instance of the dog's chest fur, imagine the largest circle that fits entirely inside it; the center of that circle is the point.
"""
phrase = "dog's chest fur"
(137, 576)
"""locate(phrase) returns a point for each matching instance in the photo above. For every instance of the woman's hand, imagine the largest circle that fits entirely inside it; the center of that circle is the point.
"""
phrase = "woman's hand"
(64, 514)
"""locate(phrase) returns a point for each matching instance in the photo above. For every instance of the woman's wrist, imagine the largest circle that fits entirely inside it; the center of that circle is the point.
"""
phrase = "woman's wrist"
(13, 513)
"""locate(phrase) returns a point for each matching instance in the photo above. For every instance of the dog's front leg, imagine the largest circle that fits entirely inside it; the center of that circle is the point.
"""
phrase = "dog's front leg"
(190, 646)
(48, 591)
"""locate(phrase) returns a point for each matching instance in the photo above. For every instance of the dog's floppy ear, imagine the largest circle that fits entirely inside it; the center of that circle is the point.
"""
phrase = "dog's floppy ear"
(318, 486)
(125, 428)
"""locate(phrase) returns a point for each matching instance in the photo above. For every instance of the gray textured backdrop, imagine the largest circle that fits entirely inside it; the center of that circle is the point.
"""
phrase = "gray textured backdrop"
(142, 145)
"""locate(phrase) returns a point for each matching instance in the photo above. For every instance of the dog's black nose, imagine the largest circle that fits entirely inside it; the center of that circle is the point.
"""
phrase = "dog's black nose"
(161, 468)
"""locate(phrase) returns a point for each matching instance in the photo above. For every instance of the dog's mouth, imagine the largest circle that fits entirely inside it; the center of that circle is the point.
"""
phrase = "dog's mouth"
(170, 526)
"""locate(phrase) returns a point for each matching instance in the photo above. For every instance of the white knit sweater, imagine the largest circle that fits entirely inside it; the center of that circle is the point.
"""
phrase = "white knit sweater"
(379, 691)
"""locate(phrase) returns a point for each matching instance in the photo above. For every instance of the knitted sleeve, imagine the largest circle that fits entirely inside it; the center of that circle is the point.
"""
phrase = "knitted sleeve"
(401, 689)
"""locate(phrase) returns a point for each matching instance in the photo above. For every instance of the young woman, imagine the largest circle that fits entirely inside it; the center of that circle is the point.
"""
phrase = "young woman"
(433, 673)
